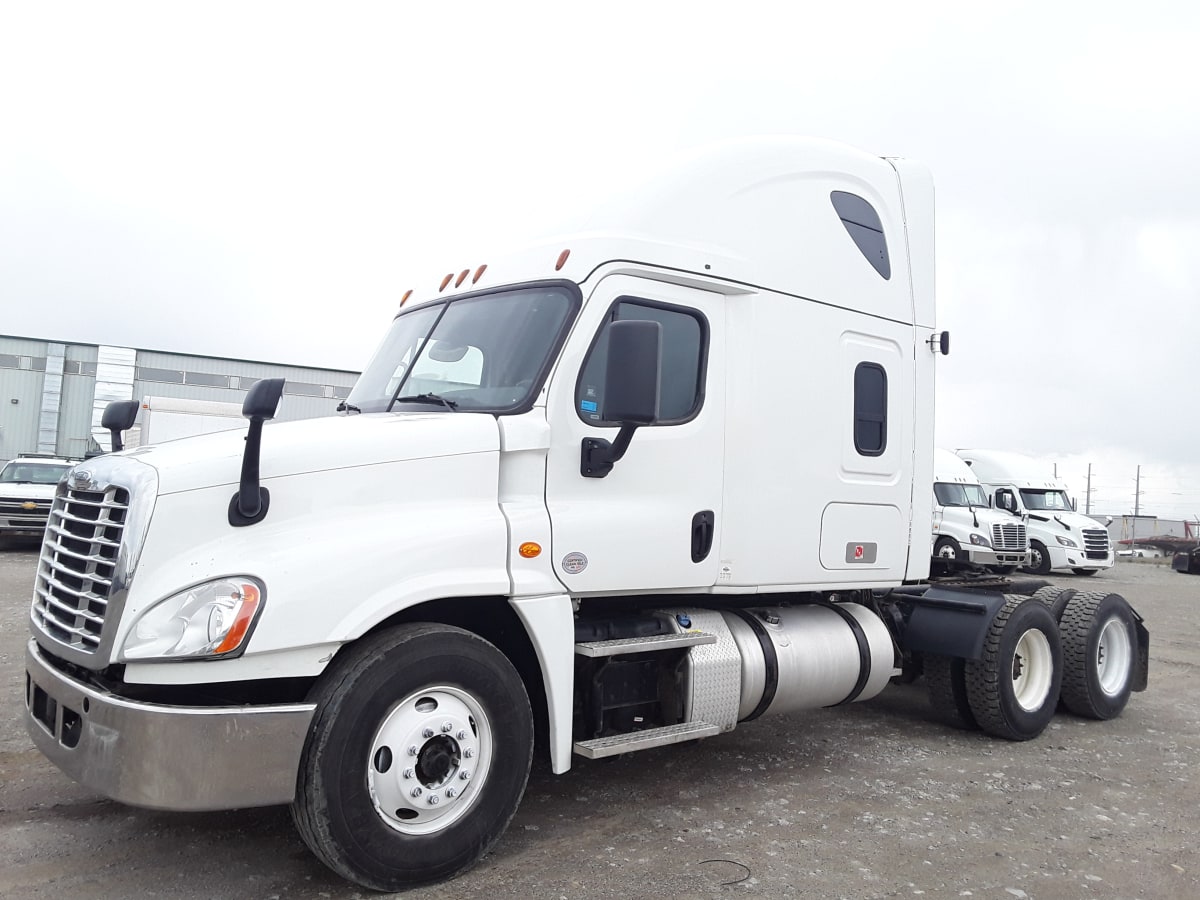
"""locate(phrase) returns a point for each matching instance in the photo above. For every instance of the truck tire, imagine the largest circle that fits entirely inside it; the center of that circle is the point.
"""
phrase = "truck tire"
(1013, 689)
(1084, 572)
(417, 757)
(948, 549)
(1039, 559)
(1099, 637)
(1056, 598)
(944, 676)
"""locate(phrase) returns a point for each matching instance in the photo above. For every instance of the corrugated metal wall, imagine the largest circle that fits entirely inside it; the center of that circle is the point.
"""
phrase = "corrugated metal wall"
(308, 393)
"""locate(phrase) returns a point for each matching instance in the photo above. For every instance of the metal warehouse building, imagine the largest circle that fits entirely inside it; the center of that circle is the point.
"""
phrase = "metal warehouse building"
(53, 393)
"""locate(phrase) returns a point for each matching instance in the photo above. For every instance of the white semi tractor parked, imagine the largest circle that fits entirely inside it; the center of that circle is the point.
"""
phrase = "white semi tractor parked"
(966, 530)
(586, 492)
(1027, 489)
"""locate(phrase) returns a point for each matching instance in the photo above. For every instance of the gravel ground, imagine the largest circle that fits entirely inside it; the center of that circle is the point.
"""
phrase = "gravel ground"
(877, 800)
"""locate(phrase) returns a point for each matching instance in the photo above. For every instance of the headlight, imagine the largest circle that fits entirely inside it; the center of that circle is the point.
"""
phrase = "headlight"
(980, 541)
(1066, 542)
(211, 619)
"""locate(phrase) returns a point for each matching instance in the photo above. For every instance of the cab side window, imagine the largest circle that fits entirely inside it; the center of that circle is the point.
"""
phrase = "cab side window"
(870, 409)
(684, 355)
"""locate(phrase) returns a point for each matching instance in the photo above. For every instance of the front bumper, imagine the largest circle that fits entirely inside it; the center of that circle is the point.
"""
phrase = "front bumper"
(1071, 558)
(164, 757)
(986, 556)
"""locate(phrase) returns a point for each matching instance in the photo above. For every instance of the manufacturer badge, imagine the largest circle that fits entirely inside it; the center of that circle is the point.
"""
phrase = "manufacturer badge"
(574, 563)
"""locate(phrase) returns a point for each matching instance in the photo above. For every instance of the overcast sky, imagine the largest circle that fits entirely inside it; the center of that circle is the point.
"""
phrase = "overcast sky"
(265, 180)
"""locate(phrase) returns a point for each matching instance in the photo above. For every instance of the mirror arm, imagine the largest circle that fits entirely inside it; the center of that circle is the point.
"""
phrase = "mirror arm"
(597, 455)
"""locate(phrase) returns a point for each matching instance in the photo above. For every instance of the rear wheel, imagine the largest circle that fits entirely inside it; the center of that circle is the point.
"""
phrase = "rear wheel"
(1039, 559)
(1099, 637)
(1013, 689)
(948, 691)
(416, 759)
(1056, 598)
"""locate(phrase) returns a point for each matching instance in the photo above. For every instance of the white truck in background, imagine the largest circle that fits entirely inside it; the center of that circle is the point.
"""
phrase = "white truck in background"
(1026, 488)
(171, 418)
(587, 492)
(966, 530)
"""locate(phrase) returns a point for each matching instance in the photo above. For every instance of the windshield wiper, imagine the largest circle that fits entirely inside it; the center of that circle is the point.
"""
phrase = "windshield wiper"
(347, 407)
(426, 398)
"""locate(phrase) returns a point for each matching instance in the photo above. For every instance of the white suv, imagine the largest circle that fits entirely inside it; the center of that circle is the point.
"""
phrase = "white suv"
(27, 486)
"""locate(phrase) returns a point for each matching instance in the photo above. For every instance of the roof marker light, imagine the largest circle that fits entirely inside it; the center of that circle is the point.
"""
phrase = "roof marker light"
(562, 260)
(445, 281)
(462, 276)
(479, 273)
(407, 294)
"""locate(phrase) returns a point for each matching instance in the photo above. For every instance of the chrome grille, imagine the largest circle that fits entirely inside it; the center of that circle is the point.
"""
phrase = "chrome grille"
(1009, 536)
(1095, 542)
(78, 564)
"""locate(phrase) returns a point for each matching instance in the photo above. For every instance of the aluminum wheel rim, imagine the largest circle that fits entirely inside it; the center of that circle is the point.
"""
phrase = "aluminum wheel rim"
(946, 551)
(1035, 558)
(429, 760)
(1114, 653)
(1033, 670)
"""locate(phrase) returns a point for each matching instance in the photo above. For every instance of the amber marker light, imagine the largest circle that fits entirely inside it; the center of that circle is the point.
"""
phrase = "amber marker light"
(562, 260)
(530, 549)
(446, 281)
(244, 616)
(479, 273)
(407, 294)
(462, 276)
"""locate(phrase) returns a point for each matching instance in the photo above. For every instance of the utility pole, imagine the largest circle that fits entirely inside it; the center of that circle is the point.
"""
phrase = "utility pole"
(1087, 506)
(1137, 493)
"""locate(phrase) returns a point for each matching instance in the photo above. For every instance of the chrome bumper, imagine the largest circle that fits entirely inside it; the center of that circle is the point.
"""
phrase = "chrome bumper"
(987, 556)
(164, 757)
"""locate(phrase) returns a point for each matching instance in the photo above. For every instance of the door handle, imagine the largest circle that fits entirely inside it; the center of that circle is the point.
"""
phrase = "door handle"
(703, 528)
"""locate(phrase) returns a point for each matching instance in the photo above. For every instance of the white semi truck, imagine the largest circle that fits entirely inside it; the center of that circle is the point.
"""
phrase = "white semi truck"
(1028, 490)
(629, 488)
(966, 530)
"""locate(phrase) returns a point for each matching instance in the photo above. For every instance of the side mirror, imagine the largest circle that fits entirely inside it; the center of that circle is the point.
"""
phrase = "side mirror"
(1074, 504)
(250, 503)
(631, 391)
(119, 416)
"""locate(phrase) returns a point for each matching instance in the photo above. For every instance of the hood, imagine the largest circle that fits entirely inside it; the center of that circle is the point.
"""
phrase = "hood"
(27, 490)
(1073, 520)
(313, 445)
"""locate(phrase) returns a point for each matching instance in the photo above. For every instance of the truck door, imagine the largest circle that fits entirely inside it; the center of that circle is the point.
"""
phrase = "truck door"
(654, 522)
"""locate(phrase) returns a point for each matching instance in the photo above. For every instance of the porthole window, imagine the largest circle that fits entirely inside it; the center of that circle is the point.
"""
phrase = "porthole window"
(870, 409)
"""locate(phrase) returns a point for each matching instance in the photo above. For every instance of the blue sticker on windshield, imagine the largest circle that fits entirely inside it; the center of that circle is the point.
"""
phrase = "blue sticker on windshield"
(588, 405)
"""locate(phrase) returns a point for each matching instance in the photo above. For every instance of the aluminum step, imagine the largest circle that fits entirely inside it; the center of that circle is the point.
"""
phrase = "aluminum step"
(647, 644)
(644, 740)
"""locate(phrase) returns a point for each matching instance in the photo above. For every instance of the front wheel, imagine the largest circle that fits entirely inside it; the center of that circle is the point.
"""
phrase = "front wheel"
(417, 757)
(1039, 559)
(1013, 688)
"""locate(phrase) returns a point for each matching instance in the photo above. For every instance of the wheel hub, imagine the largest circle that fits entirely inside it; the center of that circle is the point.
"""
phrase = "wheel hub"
(1032, 670)
(1114, 657)
(429, 759)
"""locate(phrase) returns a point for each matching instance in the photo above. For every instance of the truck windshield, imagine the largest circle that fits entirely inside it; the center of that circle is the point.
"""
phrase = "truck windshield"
(949, 494)
(21, 473)
(483, 353)
(1054, 500)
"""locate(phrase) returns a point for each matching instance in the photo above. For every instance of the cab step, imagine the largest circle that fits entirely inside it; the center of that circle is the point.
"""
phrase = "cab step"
(617, 744)
(648, 644)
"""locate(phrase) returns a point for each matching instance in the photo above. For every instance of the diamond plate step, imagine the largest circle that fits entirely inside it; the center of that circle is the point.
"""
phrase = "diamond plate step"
(644, 740)
(647, 644)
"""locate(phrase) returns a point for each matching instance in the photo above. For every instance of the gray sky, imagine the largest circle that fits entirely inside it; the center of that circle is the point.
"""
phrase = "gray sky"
(265, 180)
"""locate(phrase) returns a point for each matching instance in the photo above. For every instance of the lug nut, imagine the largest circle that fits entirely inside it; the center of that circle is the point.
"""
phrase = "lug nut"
(469, 752)
(462, 736)
(464, 774)
(413, 751)
(447, 728)
(408, 773)
(451, 793)
(433, 799)
(427, 733)
(416, 792)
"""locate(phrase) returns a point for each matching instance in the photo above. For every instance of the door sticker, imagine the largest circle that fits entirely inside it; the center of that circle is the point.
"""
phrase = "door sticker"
(574, 563)
(865, 553)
